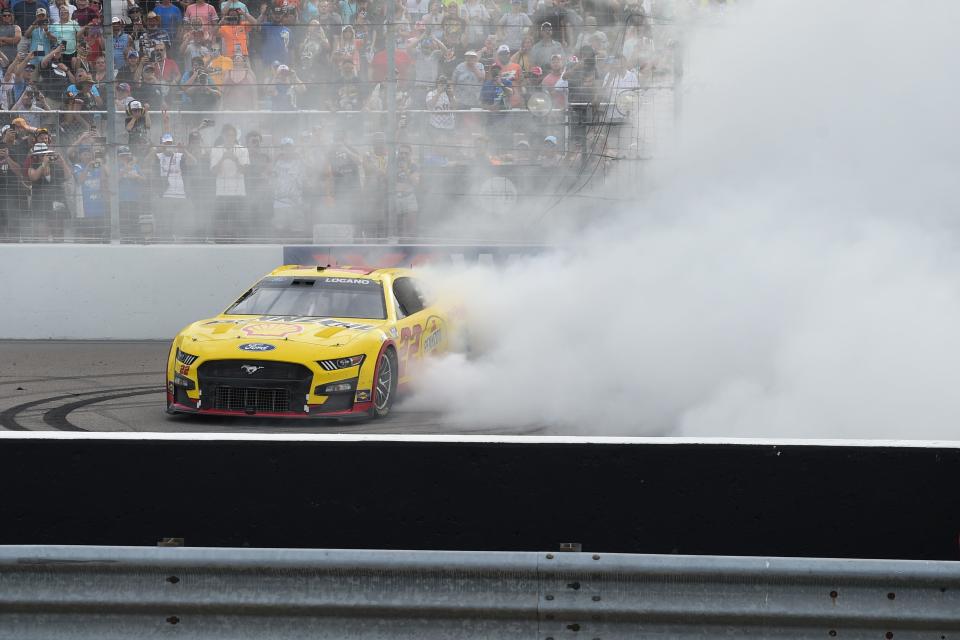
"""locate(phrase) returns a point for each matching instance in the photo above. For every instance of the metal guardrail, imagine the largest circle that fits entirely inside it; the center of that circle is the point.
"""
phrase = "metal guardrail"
(136, 592)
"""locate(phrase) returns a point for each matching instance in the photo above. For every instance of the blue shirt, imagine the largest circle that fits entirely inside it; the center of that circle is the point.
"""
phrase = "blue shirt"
(277, 43)
(92, 193)
(119, 47)
(170, 19)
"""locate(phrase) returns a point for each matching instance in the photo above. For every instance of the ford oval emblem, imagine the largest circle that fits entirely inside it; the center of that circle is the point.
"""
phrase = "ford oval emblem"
(257, 346)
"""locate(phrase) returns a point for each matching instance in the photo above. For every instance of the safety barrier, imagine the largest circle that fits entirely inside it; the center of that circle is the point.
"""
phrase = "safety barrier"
(125, 592)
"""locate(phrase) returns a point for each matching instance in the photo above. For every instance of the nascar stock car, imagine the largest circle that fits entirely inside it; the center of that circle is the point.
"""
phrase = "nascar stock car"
(308, 342)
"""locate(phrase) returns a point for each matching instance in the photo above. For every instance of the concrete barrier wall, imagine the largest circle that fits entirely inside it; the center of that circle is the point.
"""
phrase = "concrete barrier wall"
(121, 292)
(131, 292)
(496, 494)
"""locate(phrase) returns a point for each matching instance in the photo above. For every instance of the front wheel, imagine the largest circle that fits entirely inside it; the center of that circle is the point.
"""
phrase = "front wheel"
(385, 383)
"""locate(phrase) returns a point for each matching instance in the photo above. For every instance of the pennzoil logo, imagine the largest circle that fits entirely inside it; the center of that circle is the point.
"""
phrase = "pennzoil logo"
(271, 329)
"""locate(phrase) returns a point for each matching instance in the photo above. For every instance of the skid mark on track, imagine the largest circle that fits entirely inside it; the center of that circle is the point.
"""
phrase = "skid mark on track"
(8, 418)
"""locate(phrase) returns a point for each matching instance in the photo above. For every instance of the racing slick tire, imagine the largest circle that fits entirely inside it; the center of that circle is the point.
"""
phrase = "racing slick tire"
(385, 381)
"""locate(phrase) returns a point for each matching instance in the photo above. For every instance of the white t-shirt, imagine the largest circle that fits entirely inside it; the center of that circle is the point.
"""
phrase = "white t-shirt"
(230, 172)
(170, 169)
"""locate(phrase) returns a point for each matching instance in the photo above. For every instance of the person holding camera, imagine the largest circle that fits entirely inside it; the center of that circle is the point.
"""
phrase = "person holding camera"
(207, 15)
(90, 175)
(170, 18)
(12, 200)
(38, 32)
(197, 90)
(195, 42)
(138, 124)
(47, 173)
(53, 76)
(25, 13)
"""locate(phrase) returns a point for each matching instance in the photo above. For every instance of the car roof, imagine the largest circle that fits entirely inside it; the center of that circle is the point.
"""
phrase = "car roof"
(370, 273)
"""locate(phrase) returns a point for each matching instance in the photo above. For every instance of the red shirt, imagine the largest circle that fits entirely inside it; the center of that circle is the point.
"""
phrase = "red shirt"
(378, 67)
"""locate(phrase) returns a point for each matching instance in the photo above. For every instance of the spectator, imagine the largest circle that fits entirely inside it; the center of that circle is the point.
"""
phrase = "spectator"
(351, 93)
(131, 69)
(47, 174)
(234, 32)
(331, 23)
(562, 22)
(511, 74)
(240, 87)
(344, 166)
(550, 153)
(375, 164)
(495, 94)
(592, 36)
(65, 29)
(426, 52)
(9, 34)
(433, 21)
(454, 28)
(284, 89)
(217, 64)
(197, 90)
(122, 96)
(58, 8)
(315, 68)
(31, 99)
(174, 218)
(512, 26)
(523, 58)
(85, 93)
(86, 13)
(82, 59)
(289, 178)
(122, 44)
(53, 76)
(25, 13)
(12, 202)
(441, 100)
(277, 38)
(170, 18)
(133, 192)
(545, 48)
(257, 182)
(467, 80)
(38, 32)
(154, 41)
(554, 82)
(228, 160)
(15, 80)
(138, 125)
(488, 54)
(207, 15)
(148, 89)
(90, 175)
(195, 42)
(408, 180)
(478, 22)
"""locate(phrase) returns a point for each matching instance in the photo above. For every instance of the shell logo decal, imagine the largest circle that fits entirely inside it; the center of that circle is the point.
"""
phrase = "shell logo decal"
(271, 329)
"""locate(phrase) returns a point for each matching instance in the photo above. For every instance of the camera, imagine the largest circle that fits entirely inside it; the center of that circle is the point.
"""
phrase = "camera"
(63, 43)
(154, 55)
(202, 76)
(232, 20)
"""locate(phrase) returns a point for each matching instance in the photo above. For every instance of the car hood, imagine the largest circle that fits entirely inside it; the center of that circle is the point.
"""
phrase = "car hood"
(319, 331)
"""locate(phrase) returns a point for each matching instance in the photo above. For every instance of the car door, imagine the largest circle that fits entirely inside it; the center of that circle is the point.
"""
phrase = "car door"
(420, 329)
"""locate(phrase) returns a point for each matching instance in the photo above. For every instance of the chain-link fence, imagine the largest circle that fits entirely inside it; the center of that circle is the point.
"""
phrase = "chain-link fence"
(322, 176)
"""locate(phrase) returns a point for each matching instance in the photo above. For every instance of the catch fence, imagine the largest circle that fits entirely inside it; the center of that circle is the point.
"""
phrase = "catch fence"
(321, 176)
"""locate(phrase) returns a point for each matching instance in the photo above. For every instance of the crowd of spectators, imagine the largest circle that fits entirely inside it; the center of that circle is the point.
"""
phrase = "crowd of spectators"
(452, 59)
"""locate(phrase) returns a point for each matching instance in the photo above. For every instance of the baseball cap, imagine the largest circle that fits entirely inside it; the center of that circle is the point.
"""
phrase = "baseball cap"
(135, 104)
(470, 53)
(41, 11)
(6, 12)
(116, 20)
(283, 67)
(123, 151)
(4, 129)
(166, 138)
(132, 54)
(503, 49)
(123, 86)
(550, 140)
(546, 25)
(152, 15)
(40, 147)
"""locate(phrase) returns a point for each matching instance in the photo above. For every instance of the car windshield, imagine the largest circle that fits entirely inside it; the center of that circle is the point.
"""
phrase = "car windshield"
(313, 297)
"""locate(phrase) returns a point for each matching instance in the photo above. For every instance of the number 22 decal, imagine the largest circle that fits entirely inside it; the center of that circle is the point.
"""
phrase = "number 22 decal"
(409, 344)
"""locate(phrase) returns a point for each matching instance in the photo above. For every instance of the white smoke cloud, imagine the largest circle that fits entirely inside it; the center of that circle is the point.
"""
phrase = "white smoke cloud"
(793, 272)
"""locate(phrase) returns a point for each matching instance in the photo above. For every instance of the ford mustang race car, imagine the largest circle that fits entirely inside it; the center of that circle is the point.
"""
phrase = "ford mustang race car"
(307, 342)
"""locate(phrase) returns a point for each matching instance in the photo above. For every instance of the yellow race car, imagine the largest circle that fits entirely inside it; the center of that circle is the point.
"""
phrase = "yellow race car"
(308, 342)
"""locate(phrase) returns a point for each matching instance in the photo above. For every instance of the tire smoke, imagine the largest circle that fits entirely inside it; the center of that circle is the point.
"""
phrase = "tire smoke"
(792, 272)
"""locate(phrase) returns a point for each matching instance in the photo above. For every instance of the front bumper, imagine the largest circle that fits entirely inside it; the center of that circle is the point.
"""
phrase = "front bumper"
(265, 388)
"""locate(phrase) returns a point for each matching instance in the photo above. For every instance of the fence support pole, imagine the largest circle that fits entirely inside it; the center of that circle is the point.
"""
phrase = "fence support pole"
(113, 179)
(391, 132)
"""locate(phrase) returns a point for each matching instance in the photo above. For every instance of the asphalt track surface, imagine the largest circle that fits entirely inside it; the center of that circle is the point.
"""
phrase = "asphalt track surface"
(68, 385)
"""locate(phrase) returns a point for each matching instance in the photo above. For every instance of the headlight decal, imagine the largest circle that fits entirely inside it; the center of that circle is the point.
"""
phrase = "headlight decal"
(341, 363)
(185, 358)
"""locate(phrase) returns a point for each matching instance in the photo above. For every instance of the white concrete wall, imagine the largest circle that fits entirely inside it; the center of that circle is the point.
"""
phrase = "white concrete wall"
(121, 292)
